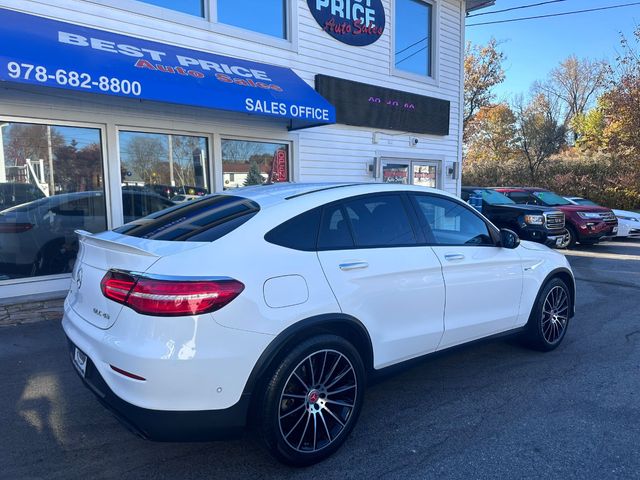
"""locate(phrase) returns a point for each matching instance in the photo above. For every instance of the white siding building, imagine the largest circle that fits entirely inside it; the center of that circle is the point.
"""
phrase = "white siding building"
(91, 156)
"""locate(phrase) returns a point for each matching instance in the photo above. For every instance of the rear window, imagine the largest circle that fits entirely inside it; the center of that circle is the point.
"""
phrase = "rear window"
(202, 220)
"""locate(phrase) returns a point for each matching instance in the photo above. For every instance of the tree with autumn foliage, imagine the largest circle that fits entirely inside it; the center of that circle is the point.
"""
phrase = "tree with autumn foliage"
(540, 134)
(483, 71)
(600, 106)
(574, 85)
(491, 143)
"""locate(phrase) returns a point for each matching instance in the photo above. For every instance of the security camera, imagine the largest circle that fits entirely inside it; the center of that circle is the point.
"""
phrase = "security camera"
(413, 141)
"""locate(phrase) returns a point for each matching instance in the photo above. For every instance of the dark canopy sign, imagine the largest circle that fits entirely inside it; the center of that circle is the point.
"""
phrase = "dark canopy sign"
(366, 105)
(354, 22)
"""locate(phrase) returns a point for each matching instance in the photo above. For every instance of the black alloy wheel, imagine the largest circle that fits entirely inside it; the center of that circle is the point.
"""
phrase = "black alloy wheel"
(549, 318)
(313, 400)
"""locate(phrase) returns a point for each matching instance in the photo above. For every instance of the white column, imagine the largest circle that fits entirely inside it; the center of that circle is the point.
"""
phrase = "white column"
(3, 173)
(52, 189)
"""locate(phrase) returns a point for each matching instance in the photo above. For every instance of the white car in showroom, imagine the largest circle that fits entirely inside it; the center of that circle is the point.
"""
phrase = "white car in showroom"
(276, 303)
(628, 221)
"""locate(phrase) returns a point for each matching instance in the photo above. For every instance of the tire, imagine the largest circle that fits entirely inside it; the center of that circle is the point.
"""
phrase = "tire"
(549, 317)
(304, 419)
(566, 239)
(573, 237)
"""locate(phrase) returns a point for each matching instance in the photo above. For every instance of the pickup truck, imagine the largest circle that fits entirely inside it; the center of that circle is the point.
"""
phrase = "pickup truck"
(530, 222)
(586, 224)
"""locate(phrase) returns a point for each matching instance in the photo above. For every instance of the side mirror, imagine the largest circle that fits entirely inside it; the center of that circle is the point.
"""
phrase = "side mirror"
(509, 239)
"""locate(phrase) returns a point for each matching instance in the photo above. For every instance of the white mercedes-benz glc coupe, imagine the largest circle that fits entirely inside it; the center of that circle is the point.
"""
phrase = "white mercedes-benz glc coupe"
(276, 303)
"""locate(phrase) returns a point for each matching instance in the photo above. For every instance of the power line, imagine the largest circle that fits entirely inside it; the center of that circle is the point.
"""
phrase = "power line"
(412, 45)
(555, 14)
(411, 55)
(515, 8)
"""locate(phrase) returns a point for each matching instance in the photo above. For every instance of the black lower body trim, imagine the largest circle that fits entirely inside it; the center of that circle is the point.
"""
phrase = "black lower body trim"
(168, 426)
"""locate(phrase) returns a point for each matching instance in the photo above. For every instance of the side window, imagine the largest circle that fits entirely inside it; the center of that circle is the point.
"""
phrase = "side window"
(380, 221)
(334, 230)
(299, 233)
(452, 223)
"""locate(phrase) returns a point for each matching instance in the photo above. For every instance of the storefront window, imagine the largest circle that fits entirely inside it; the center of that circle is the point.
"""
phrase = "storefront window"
(247, 163)
(51, 184)
(159, 170)
(267, 16)
(413, 36)
(191, 7)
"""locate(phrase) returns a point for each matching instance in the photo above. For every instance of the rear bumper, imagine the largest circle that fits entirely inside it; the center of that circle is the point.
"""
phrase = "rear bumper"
(167, 426)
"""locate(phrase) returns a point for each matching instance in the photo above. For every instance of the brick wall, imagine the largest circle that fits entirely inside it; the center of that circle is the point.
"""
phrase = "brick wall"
(31, 312)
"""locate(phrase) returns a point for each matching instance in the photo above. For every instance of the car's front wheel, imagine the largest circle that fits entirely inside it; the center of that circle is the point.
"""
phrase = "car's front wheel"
(549, 317)
(313, 400)
(573, 237)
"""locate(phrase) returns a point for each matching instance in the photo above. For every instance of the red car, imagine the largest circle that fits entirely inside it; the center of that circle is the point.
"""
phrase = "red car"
(586, 224)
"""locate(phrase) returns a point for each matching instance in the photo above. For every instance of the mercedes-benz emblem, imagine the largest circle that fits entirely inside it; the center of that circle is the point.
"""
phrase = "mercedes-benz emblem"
(79, 278)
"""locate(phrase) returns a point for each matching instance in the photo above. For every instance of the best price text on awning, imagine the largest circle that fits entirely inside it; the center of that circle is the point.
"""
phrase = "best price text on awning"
(67, 56)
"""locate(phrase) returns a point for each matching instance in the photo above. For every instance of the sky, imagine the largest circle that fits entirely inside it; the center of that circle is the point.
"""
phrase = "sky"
(534, 47)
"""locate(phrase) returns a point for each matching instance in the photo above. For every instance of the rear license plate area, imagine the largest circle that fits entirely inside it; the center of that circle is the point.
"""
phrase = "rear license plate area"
(80, 361)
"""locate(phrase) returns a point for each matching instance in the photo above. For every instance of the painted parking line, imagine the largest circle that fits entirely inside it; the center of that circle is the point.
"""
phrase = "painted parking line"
(610, 256)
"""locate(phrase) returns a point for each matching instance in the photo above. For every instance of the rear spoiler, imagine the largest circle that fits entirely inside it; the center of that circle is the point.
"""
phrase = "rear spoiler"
(89, 238)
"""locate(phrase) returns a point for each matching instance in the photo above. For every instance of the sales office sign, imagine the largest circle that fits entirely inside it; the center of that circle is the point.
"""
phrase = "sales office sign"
(354, 22)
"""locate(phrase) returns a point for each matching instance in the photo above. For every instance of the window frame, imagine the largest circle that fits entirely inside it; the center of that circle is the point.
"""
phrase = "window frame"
(494, 232)
(209, 21)
(433, 78)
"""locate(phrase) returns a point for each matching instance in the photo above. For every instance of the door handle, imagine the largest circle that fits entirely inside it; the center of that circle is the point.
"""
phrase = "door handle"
(453, 257)
(353, 266)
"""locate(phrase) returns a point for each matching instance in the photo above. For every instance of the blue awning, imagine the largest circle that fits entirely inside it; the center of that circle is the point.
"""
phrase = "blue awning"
(39, 51)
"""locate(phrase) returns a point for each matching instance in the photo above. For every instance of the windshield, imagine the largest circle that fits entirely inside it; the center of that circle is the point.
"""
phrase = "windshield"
(584, 201)
(495, 198)
(551, 199)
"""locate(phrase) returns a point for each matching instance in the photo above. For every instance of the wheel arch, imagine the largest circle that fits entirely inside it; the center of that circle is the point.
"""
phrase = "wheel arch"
(567, 277)
(346, 326)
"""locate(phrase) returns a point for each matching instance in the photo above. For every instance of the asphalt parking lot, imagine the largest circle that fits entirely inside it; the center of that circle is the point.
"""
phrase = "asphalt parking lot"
(493, 410)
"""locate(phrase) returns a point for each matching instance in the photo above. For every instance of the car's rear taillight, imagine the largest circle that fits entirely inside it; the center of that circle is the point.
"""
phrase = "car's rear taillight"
(151, 296)
(116, 286)
(15, 227)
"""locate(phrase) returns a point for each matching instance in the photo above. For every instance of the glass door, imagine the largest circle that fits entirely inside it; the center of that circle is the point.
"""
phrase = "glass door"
(424, 174)
(410, 172)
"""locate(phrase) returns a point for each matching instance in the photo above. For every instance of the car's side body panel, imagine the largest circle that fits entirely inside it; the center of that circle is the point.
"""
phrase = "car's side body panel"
(484, 286)
(399, 297)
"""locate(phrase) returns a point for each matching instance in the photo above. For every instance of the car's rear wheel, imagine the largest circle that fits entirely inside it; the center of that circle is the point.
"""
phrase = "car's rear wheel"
(549, 317)
(313, 400)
